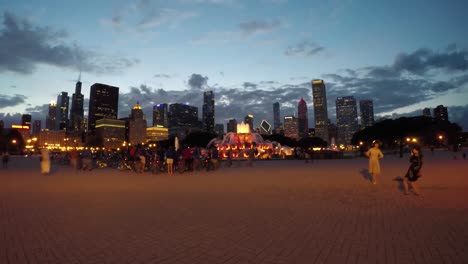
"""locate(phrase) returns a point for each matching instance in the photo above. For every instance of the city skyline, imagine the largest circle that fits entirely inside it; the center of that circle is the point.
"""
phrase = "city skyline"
(257, 54)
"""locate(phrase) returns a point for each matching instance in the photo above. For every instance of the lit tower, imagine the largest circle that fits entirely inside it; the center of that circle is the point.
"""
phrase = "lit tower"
(77, 111)
(103, 103)
(61, 123)
(320, 109)
(346, 119)
(137, 126)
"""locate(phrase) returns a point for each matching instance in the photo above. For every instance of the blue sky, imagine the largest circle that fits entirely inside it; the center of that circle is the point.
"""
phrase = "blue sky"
(404, 56)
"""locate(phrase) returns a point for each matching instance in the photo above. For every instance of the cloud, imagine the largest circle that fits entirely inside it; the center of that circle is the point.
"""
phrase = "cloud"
(249, 85)
(197, 82)
(423, 62)
(144, 16)
(23, 46)
(8, 100)
(244, 31)
(254, 27)
(162, 75)
(304, 48)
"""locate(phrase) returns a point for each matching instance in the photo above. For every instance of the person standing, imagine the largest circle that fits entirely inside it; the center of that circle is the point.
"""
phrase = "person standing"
(45, 161)
(214, 157)
(374, 154)
(414, 170)
(171, 155)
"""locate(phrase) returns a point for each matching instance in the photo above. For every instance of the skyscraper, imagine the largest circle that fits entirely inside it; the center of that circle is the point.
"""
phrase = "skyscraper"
(366, 108)
(160, 116)
(441, 113)
(61, 123)
(51, 117)
(77, 110)
(249, 120)
(320, 109)
(232, 126)
(208, 111)
(26, 120)
(427, 112)
(276, 115)
(36, 127)
(137, 126)
(183, 115)
(303, 118)
(346, 119)
(291, 127)
(103, 103)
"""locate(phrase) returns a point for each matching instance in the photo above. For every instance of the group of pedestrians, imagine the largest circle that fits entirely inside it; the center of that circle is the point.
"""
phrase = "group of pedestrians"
(412, 174)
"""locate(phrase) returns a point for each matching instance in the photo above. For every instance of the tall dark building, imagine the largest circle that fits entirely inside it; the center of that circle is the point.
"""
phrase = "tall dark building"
(276, 115)
(441, 113)
(36, 129)
(63, 100)
(77, 110)
(219, 129)
(346, 119)
(160, 115)
(208, 111)
(26, 120)
(427, 112)
(302, 118)
(319, 95)
(232, 126)
(51, 117)
(183, 115)
(249, 120)
(366, 108)
(103, 103)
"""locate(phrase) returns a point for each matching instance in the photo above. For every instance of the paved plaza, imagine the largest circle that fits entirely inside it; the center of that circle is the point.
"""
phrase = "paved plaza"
(276, 212)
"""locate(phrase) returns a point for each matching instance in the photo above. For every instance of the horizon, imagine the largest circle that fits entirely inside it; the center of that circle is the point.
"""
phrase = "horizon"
(250, 54)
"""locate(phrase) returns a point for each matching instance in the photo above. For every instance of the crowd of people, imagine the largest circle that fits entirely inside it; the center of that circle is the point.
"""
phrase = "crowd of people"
(189, 159)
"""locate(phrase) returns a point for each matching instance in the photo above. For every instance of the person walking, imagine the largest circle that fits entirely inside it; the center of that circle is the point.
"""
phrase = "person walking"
(374, 154)
(5, 160)
(74, 155)
(87, 160)
(414, 170)
(45, 161)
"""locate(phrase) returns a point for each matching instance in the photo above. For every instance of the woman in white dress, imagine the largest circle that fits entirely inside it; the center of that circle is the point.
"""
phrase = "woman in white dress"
(374, 154)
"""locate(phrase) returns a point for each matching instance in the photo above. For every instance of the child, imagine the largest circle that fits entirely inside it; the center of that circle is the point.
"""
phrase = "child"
(414, 170)
(374, 154)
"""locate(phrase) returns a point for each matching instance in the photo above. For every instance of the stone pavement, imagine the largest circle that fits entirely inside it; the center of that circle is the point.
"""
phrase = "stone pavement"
(275, 212)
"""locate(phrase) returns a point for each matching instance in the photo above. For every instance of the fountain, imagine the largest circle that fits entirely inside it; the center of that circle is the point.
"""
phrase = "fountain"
(239, 144)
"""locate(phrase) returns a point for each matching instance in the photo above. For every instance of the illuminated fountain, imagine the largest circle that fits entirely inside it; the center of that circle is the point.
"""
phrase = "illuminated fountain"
(239, 144)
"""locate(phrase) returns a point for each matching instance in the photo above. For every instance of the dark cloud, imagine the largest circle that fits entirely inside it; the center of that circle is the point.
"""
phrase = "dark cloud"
(305, 48)
(197, 81)
(257, 26)
(8, 100)
(23, 46)
(423, 61)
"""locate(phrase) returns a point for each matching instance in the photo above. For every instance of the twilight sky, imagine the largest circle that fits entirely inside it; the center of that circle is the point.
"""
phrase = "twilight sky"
(405, 55)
